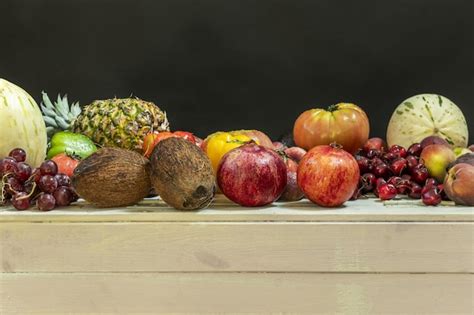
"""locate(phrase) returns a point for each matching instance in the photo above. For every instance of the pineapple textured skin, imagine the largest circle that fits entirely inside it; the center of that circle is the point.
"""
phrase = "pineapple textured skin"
(120, 123)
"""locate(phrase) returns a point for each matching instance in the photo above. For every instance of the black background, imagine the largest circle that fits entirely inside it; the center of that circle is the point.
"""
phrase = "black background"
(221, 65)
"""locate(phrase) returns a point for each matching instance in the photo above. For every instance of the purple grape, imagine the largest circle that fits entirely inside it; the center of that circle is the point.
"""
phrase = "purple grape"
(45, 202)
(63, 180)
(49, 167)
(21, 201)
(18, 154)
(23, 171)
(48, 183)
(13, 186)
(8, 166)
(63, 196)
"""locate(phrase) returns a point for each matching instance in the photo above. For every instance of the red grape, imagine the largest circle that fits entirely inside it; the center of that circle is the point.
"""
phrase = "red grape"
(21, 201)
(45, 202)
(18, 154)
(23, 171)
(63, 196)
(48, 183)
(49, 167)
(8, 166)
(13, 186)
(63, 179)
(36, 175)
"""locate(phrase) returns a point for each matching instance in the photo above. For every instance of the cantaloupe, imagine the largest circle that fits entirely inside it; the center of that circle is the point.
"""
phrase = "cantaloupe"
(425, 115)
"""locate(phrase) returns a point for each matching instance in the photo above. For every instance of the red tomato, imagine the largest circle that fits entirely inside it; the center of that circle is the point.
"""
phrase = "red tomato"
(66, 164)
(152, 139)
(343, 123)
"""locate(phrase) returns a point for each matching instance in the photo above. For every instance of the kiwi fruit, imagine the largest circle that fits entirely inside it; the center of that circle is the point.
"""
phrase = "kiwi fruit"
(112, 177)
(182, 174)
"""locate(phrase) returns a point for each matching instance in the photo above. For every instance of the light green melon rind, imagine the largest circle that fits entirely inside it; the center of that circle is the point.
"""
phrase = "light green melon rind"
(424, 115)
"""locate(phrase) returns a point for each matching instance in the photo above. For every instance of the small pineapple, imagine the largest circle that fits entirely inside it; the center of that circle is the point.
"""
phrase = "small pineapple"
(111, 123)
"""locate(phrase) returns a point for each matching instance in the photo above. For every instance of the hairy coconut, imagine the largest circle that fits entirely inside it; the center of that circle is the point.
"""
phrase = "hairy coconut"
(182, 174)
(112, 177)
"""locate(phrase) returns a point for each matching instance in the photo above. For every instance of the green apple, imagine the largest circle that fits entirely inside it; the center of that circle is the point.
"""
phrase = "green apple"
(436, 158)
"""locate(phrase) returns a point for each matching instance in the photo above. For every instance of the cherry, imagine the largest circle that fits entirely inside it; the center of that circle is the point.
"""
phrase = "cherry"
(398, 150)
(419, 174)
(412, 161)
(403, 186)
(415, 149)
(387, 191)
(388, 157)
(431, 197)
(363, 162)
(381, 170)
(394, 180)
(430, 182)
(373, 153)
(367, 182)
(398, 166)
(415, 191)
(406, 176)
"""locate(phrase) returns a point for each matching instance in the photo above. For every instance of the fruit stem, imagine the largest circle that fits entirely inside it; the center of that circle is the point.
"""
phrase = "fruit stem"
(333, 107)
(336, 145)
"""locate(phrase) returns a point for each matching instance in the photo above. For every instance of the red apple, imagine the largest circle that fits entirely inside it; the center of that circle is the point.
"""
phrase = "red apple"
(295, 153)
(433, 140)
(436, 158)
(459, 184)
(252, 175)
(328, 175)
(375, 144)
(292, 192)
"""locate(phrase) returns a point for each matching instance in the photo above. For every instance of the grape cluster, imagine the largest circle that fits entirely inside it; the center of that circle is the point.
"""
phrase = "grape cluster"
(24, 186)
(397, 170)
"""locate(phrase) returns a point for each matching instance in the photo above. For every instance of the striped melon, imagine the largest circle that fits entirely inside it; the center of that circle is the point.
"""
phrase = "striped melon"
(21, 124)
(425, 115)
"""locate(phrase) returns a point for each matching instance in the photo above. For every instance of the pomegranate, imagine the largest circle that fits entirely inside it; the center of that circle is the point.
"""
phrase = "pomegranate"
(252, 175)
(328, 175)
(292, 192)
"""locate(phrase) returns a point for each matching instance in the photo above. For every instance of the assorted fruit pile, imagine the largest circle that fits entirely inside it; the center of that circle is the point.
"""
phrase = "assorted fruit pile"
(116, 152)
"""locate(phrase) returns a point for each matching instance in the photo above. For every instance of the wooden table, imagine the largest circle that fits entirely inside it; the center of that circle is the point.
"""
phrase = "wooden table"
(367, 257)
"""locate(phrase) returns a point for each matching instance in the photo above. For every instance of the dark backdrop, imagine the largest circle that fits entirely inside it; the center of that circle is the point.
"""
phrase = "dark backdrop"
(242, 64)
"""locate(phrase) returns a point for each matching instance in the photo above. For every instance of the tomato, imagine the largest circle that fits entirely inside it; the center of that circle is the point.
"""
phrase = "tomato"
(66, 164)
(152, 139)
(219, 143)
(343, 123)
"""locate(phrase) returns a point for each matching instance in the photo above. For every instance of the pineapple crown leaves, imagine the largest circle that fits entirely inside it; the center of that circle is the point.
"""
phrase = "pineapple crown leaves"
(58, 116)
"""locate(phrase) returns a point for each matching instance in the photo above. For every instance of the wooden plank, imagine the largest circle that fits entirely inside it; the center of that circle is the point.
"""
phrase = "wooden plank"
(237, 246)
(152, 210)
(233, 292)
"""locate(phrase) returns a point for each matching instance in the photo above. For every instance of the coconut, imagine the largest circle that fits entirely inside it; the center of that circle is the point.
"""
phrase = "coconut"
(182, 174)
(112, 177)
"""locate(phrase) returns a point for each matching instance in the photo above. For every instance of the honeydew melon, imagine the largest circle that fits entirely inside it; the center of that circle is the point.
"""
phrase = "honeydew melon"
(425, 115)
(21, 124)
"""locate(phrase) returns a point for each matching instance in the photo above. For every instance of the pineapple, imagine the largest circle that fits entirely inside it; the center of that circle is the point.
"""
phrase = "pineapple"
(111, 123)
